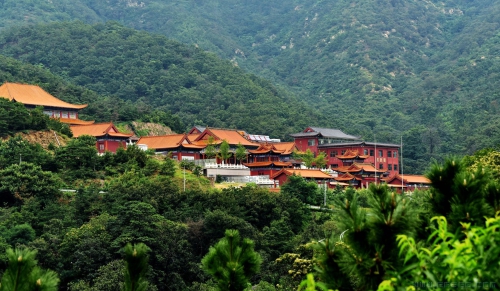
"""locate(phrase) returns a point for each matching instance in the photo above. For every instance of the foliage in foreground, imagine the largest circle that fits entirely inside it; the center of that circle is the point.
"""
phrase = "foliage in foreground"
(23, 274)
(232, 262)
(448, 258)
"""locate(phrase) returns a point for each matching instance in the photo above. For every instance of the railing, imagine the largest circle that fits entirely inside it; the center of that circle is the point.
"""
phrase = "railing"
(259, 180)
(224, 166)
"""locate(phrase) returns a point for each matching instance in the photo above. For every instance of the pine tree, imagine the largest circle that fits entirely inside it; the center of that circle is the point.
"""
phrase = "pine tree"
(23, 274)
(232, 261)
(365, 249)
(136, 267)
(460, 194)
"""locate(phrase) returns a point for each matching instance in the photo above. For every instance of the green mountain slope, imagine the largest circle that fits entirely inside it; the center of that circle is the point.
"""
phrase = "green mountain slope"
(424, 70)
(153, 71)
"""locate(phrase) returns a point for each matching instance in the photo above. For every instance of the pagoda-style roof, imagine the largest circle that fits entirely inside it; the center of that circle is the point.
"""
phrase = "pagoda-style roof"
(282, 148)
(98, 130)
(358, 144)
(358, 167)
(408, 179)
(232, 136)
(306, 173)
(352, 154)
(347, 177)
(169, 141)
(324, 132)
(286, 147)
(34, 95)
(267, 164)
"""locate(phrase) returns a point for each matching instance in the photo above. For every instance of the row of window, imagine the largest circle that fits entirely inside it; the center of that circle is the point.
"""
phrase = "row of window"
(390, 154)
(389, 167)
(380, 166)
(61, 114)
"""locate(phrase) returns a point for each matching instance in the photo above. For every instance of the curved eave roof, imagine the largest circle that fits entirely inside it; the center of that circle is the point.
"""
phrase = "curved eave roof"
(34, 95)
(325, 132)
(75, 121)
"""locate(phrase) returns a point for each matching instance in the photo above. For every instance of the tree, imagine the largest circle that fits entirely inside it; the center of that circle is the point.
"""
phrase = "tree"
(23, 274)
(297, 187)
(224, 152)
(363, 250)
(136, 266)
(320, 161)
(78, 159)
(232, 261)
(460, 194)
(472, 260)
(307, 157)
(22, 181)
(210, 151)
(241, 153)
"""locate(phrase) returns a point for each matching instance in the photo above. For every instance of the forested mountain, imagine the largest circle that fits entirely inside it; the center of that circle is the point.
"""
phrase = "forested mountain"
(424, 70)
(150, 71)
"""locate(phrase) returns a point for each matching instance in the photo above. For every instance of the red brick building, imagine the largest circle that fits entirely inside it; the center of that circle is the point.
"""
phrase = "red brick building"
(108, 137)
(343, 150)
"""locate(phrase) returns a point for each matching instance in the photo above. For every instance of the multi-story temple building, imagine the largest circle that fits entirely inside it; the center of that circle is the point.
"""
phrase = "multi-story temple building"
(32, 96)
(358, 162)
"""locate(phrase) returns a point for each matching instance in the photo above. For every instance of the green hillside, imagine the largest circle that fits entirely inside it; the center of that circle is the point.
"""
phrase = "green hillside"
(151, 71)
(424, 70)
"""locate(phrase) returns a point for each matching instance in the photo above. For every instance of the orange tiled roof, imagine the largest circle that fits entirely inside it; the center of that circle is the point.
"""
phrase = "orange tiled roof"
(266, 148)
(410, 179)
(351, 154)
(306, 173)
(347, 177)
(233, 137)
(33, 95)
(357, 167)
(71, 121)
(164, 141)
(97, 130)
(192, 136)
(267, 164)
(284, 148)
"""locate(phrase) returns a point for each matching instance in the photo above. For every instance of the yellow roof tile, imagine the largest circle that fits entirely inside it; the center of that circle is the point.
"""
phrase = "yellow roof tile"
(33, 95)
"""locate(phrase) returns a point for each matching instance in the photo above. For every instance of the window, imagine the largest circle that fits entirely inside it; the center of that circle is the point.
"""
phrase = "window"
(333, 154)
(389, 154)
(101, 147)
(372, 153)
(381, 166)
(335, 166)
(395, 155)
(311, 142)
(365, 152)
(343, 152)
(395, 167)
(389, 167)
(380, 153)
